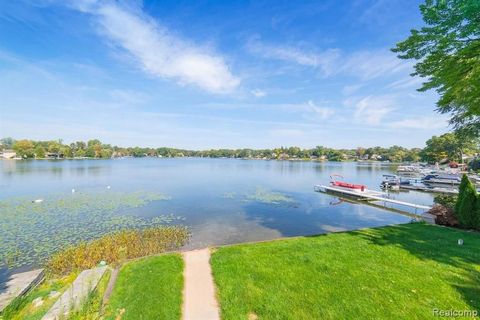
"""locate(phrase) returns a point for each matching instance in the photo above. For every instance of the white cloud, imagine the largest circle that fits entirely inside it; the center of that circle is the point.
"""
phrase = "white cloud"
(406, 83)
(421, 123)
(258, 93)
(368, 65)
(325, 61)
(157, 50)
(372, 109)
(350, 89)
(365, 64)
(321, 113)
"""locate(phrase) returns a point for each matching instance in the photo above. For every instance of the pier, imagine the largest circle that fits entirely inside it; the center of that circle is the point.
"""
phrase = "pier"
(369, 195)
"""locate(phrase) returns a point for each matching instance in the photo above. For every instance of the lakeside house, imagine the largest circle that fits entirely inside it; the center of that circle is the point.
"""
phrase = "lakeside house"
(8, 154)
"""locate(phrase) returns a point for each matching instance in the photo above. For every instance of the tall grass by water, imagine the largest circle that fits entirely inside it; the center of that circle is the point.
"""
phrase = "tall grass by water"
(116, 247)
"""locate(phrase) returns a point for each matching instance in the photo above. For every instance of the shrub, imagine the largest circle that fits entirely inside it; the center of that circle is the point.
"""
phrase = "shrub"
(115, 247)
(444, 215)
(446, 200)
(465, 207)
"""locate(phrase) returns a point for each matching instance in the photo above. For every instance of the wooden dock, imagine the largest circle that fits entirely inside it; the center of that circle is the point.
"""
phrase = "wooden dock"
(369, 195)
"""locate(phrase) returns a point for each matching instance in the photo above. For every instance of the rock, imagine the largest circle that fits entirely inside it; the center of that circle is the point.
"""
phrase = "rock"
(53, 294)
(37, 302)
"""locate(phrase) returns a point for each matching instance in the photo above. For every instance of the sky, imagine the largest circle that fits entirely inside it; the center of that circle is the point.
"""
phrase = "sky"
(213, 74)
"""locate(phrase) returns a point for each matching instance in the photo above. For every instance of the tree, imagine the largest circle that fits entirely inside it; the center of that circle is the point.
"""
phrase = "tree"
(54, 147)
(6, 143)
(447, 52)
(24, 148)
(448, 146)
(39, 152)
(465, 208)
(93, 142)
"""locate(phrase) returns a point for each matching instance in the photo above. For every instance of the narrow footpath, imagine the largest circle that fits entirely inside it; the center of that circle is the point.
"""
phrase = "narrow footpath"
(199, 300)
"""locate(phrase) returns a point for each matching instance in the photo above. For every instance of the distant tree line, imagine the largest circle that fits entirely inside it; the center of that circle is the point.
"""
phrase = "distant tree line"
(447, 147)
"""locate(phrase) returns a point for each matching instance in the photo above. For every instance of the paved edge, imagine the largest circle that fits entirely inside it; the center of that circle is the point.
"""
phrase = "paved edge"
(199, 298)
(18, 285)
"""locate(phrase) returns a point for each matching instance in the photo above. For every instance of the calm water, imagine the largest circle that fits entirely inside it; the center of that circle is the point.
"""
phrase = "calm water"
(214, 196)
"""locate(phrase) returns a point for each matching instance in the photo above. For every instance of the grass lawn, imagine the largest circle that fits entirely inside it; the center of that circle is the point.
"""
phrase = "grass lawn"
(149, 288)
(399, 272)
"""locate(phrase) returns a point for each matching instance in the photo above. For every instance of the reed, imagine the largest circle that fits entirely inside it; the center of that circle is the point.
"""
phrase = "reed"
(117, 247)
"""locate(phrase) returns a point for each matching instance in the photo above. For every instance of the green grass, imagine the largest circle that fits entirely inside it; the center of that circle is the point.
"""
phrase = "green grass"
(150, 288)
(399, 272)
(91, 307)
(23, 309)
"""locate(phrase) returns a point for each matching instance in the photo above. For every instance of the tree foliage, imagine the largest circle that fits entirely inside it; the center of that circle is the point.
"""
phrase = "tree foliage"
(447, 51)
(448, 146)
(466, 209)
(96, 149)
(24, 148)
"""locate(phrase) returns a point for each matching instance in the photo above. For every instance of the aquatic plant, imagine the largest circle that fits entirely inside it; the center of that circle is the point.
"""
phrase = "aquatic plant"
(116, 247)
(267, 196)
(30, 232)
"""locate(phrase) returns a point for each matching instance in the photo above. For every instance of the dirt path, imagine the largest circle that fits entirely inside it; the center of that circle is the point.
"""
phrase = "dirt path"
(199, 301)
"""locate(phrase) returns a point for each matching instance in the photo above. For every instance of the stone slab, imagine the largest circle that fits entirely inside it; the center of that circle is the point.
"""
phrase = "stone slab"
(77, 294)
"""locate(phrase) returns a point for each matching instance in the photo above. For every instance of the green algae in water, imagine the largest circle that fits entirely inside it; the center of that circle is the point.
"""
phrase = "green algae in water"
(30, 232)
(267, 196)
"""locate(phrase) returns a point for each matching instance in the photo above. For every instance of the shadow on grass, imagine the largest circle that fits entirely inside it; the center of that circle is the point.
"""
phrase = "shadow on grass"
(439, 244)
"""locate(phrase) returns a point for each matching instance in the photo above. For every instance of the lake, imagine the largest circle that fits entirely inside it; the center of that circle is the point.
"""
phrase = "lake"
(222, 201)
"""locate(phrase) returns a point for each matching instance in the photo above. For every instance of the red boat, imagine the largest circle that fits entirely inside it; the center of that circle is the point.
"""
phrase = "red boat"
(347, 185)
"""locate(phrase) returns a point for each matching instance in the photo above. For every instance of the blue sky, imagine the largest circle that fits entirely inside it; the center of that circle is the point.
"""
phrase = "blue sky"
(212, 74)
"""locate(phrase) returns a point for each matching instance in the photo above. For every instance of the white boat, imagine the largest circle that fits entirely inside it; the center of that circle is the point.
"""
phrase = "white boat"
(442, 178)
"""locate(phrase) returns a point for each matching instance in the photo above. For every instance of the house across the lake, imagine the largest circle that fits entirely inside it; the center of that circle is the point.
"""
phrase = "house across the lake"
(8, 154)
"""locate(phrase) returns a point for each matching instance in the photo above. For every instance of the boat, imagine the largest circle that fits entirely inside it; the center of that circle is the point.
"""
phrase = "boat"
(347, 185)
(439, 178)
(394, 182)
(350, 188)
(409, 169)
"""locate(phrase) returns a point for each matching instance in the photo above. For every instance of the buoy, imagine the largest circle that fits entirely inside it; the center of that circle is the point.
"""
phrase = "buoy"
(37, 201)
(460, 242)
(73, 190)
(108, 187)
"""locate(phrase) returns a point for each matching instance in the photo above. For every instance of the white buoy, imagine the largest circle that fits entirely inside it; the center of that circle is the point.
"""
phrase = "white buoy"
(73, 190)
(38, 201)
(460, 242)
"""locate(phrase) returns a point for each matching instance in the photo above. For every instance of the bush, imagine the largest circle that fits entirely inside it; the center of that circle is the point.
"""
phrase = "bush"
(466, 205)
(116, 247)
(444, 215)
(446, 200)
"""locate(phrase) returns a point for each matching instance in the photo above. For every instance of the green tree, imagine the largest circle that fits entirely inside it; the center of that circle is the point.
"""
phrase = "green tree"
(39, 152)
(106, 153)
(449, 146)
(54, 146)
(6, 143)
(24, 148)
(465, 208)
(447, 51)
(93, 142)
